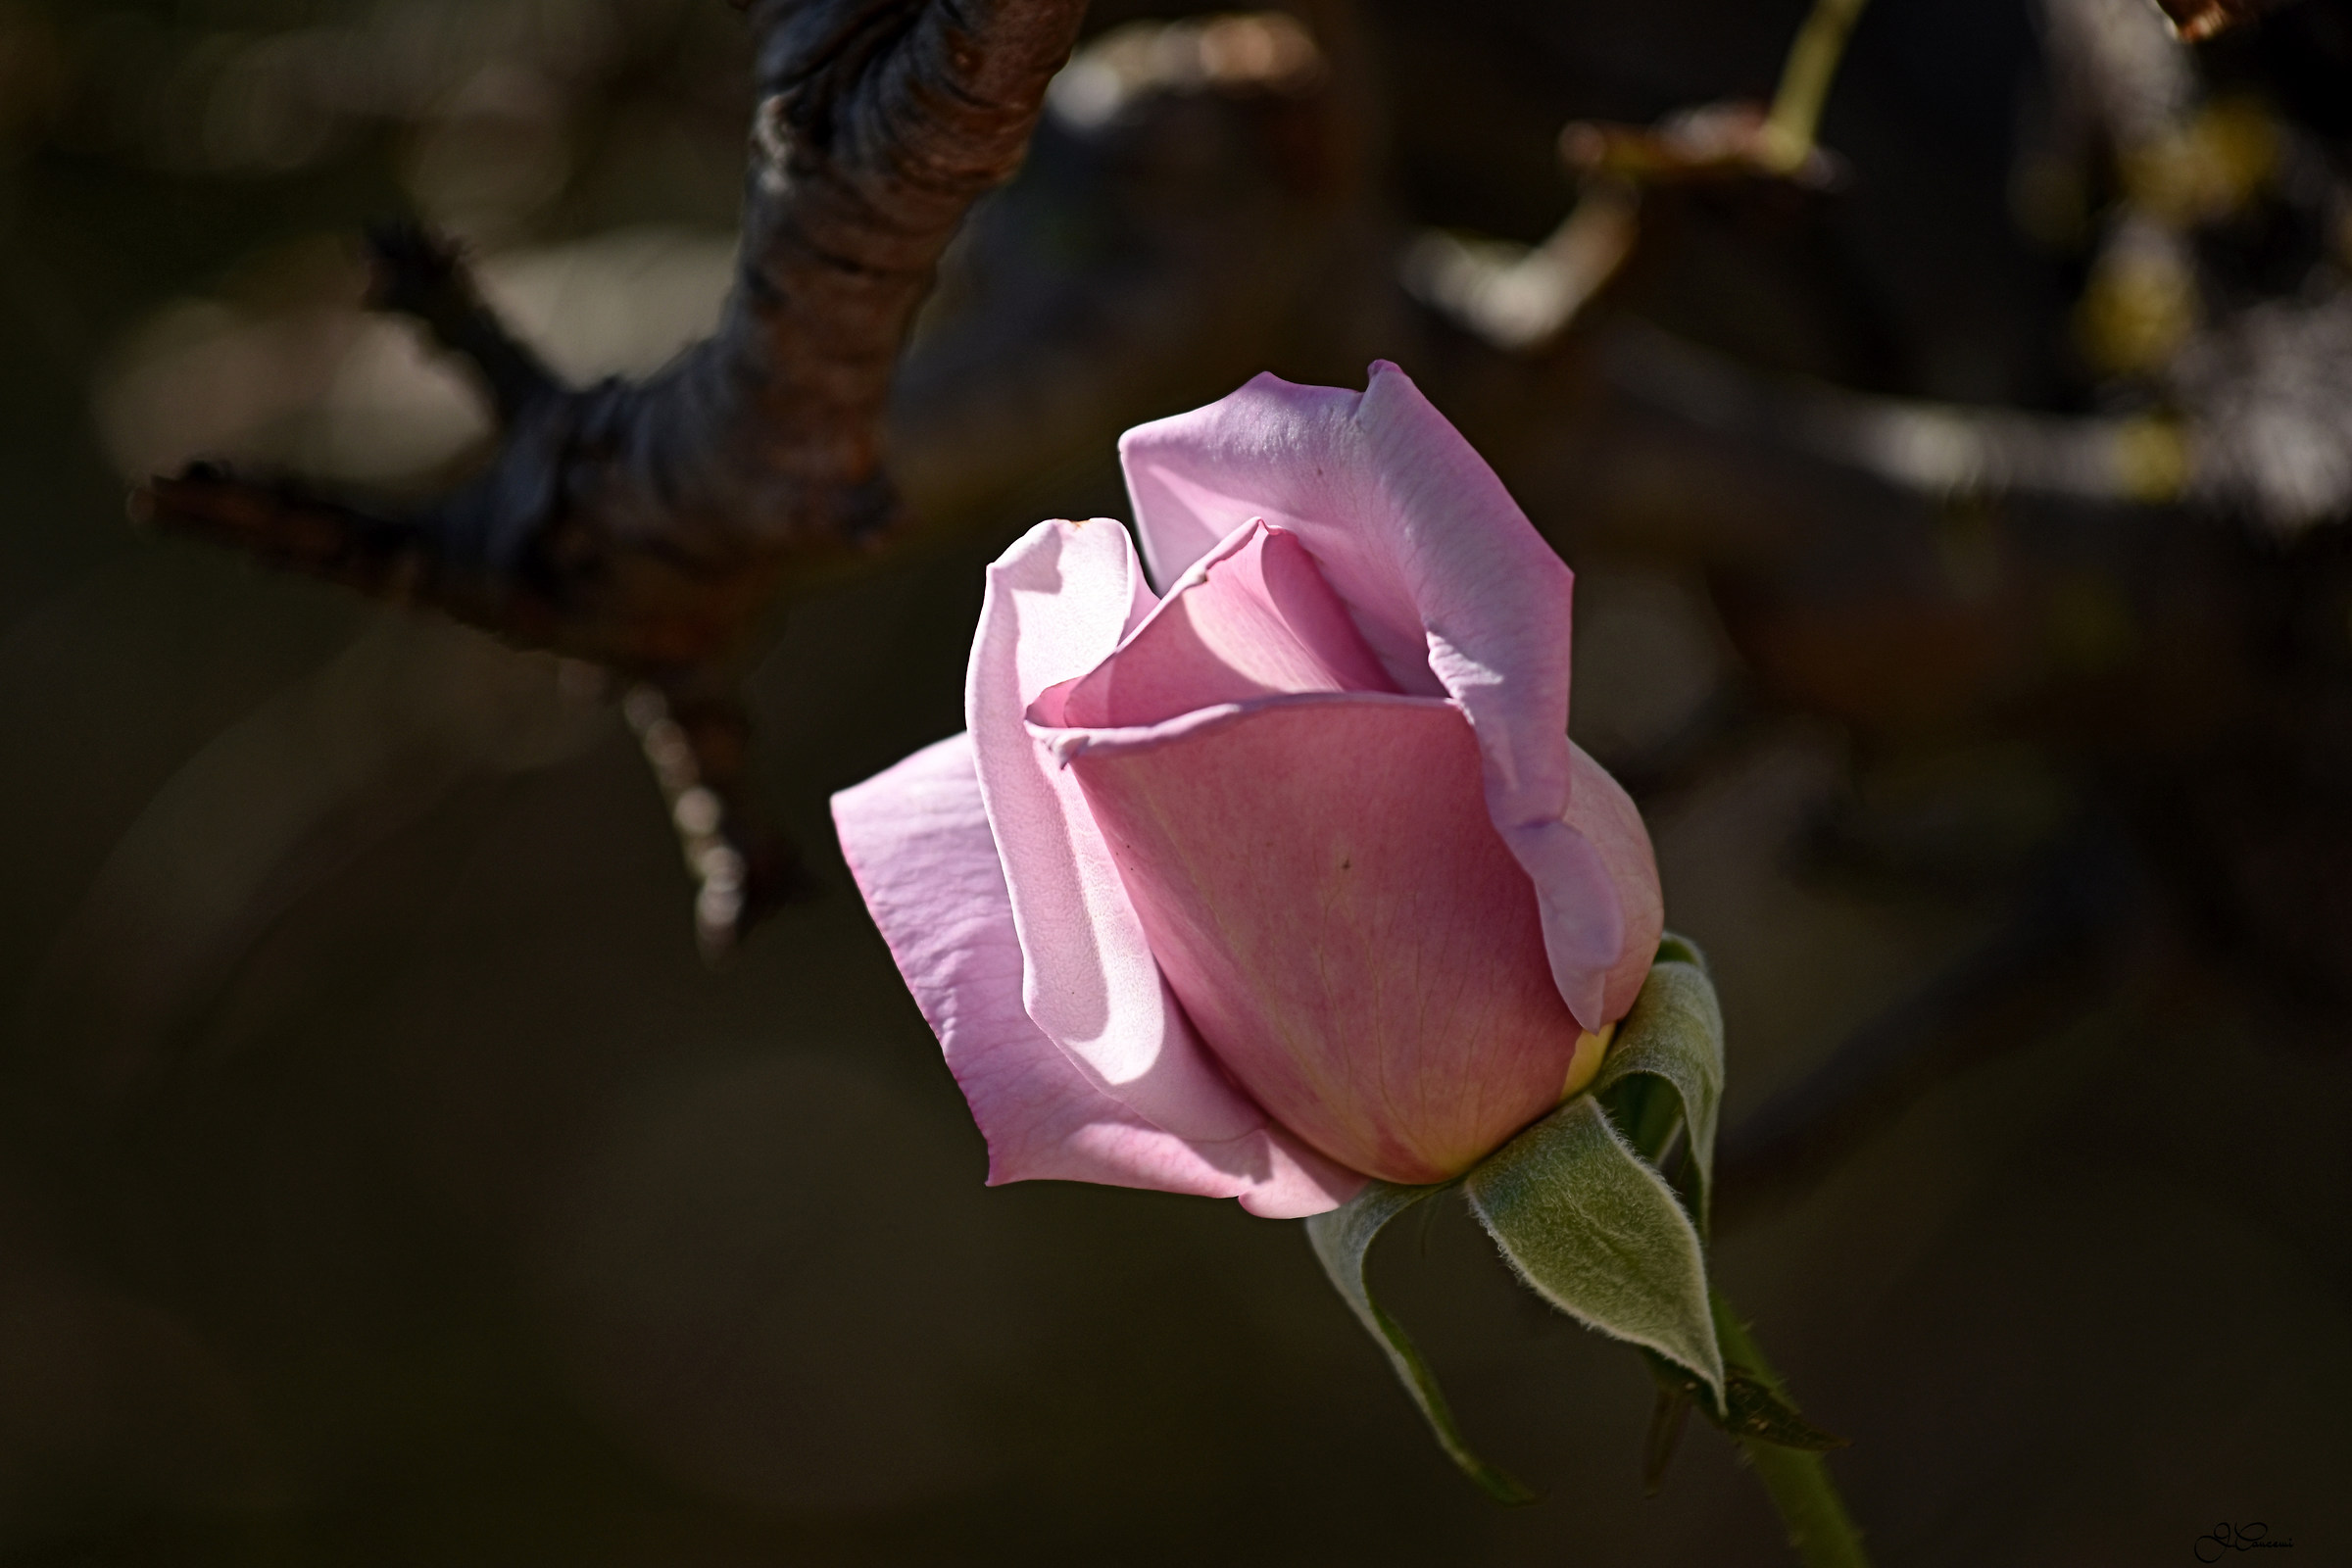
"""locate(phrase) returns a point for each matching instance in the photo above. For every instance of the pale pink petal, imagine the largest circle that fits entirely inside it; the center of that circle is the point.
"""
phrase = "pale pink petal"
(1449, 582)
(1058, 602)
(1611, 823)
(1344, 927)
(1299, 1180)
(1252, 619)
(918, 840)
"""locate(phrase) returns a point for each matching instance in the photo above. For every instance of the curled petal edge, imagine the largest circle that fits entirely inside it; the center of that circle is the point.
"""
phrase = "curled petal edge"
(917, 843)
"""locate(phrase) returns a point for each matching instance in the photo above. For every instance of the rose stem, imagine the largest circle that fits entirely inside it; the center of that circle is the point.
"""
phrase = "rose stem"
(1823, 1533)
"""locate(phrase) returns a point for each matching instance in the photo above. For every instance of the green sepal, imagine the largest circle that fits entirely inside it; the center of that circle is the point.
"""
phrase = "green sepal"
(1579, 1209)
(1595, 1230)
(1343, 1239)
(1674, 948)
(1664, 1069)
(1756, 1407)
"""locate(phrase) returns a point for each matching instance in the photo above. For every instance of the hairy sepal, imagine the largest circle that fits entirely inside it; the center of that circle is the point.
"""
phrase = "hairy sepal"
(1342, 1241)
(1664, 1070)
(1594, 1230)
(1581, 1209)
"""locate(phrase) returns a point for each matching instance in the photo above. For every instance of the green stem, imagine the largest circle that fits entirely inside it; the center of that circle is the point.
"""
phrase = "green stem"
(1819, 1527)
(1806, 78)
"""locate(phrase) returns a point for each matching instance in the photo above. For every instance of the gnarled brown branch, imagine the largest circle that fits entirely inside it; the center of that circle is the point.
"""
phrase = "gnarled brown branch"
(647, 525)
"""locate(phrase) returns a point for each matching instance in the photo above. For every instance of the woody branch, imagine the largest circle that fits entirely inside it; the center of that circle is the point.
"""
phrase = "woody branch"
(647, 525)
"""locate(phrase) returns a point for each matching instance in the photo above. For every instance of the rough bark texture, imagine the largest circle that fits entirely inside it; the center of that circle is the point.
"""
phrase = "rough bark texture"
(646, 526)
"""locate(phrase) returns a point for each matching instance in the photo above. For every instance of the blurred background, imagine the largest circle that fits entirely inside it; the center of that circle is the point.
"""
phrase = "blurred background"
(1963, 588)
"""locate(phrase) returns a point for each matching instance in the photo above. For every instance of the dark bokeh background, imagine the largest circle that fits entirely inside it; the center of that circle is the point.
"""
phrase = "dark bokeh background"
(386, 1179)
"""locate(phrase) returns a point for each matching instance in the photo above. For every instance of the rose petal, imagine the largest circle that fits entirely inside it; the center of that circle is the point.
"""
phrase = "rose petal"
(1611, 823)
(918, 840)
(1346, 929)
(1058, 602)
(1252, 619)
(1449, 582)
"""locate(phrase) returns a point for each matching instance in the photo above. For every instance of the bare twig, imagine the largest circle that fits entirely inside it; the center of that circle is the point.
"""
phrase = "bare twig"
(1936, 449)
(1520, 297)
(649, 525)
(417, 277)
(1806, 78)
(1523, 299)
(2259, 427)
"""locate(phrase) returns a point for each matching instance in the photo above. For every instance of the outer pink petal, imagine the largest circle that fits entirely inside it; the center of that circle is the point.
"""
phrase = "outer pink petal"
(1608, 817)
(1058, 602)
(918, 840)
(1448, 580)
(1344, 927)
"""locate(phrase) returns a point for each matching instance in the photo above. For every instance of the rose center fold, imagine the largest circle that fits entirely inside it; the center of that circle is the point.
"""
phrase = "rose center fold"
(1253, 619)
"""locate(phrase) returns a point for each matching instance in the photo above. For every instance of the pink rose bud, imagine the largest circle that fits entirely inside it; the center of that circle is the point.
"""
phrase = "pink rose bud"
(1291, 877)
